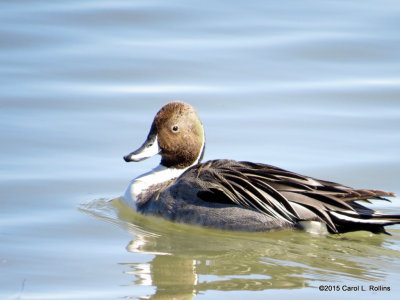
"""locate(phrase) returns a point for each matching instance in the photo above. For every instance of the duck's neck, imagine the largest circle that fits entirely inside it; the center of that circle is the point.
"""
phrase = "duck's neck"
(160, 174)
(156, 176)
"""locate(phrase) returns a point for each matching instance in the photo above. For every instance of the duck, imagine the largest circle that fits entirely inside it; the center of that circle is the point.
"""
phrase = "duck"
(244, 196)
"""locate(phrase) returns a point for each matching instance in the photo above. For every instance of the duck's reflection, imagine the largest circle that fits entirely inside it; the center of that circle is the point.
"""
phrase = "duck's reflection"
(189, 260)
(173, 277)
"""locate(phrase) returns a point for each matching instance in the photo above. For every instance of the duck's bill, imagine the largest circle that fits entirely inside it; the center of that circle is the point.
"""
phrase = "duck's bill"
(148, 149)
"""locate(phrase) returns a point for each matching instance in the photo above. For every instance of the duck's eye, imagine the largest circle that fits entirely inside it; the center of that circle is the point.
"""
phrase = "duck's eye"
(175, 128)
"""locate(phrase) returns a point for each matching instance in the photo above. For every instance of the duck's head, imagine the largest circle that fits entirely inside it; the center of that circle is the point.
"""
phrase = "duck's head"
(176, 134)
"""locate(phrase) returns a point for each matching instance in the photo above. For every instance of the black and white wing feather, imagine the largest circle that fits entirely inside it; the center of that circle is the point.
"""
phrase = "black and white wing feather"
(291, 197)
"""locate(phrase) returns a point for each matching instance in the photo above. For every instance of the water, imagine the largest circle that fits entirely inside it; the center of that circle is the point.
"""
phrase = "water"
(310, 86)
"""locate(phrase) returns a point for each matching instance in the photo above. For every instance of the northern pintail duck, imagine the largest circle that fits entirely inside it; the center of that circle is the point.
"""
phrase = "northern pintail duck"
(238, 195)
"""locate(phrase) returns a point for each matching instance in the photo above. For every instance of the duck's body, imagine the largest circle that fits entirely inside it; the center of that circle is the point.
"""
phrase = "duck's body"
(240, 196)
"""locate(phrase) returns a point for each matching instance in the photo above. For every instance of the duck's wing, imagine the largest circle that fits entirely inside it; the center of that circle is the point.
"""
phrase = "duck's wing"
(290, 196)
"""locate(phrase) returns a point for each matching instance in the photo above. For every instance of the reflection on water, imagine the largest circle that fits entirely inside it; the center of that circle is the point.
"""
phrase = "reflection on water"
(188, 260)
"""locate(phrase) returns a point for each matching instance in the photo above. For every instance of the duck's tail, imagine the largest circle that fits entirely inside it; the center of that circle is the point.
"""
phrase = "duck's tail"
(366, 220)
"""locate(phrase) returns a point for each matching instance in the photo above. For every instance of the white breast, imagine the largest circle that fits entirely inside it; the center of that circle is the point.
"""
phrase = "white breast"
(141, 183)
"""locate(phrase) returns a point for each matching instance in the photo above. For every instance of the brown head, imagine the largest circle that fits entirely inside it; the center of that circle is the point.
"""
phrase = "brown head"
(176, 134)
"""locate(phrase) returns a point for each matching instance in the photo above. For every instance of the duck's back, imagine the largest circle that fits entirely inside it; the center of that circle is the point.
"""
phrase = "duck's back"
(244, 196)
